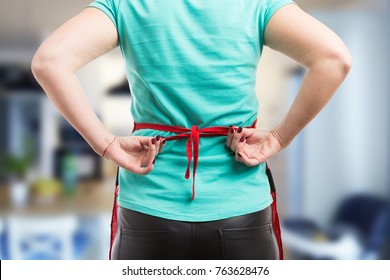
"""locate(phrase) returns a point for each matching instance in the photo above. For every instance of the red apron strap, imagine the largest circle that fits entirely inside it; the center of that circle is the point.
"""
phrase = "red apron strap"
(275, 216)
(114, 221)
(192, 146)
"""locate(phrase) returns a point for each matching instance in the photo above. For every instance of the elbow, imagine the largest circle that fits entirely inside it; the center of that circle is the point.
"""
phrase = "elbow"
(341, 60)
(37, 66)
(334, 62)
(344, 61)
(41, 64)
(45, 63)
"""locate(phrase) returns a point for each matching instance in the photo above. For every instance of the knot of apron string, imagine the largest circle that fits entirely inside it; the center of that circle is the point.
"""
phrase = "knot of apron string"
(192, 145)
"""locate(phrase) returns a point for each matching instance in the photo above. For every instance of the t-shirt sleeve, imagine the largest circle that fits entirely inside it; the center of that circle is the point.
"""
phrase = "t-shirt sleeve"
(109, 7)
(270, 7)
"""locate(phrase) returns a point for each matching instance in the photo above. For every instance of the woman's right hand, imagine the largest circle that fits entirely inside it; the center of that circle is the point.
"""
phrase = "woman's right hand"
(253, 146)
(136, 154)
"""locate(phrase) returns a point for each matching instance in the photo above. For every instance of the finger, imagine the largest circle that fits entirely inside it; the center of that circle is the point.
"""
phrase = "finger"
(237, 137)
(245, 156)
(240, 150)
(242, 157)
(135, 143)
(147, 163)
(245, 133)
(142, 170)
(158, 144)
(230, 136)
(162, 145)
(148, 153)
(248, 132)
(151, 155)
(249, 154)
(141, 166)
(144, 140)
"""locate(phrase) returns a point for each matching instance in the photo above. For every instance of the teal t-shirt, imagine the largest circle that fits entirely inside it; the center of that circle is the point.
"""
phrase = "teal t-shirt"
(193, 62)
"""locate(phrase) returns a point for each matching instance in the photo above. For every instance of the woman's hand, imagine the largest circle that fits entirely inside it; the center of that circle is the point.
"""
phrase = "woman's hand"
(136, 154)
(253, 146)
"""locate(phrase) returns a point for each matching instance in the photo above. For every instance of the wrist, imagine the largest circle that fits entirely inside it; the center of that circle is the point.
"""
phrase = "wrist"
(109, 146)
(276, 135)
(283, 134)
(102, 145)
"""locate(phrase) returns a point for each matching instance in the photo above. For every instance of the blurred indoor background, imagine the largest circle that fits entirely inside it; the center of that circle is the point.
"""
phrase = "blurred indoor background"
(333, 181)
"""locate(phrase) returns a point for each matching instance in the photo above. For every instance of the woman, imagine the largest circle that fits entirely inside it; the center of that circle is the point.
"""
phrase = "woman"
(192, 66)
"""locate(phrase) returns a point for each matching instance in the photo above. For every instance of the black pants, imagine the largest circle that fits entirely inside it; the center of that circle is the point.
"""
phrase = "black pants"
(140, 236)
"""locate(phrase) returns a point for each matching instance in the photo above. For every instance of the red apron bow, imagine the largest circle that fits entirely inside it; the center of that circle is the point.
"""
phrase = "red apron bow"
(192, 146)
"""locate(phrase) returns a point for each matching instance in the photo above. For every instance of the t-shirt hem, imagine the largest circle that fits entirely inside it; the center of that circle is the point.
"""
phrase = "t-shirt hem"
(196, 217)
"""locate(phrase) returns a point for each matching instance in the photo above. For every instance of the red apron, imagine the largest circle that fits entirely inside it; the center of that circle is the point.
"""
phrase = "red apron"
(192, 151)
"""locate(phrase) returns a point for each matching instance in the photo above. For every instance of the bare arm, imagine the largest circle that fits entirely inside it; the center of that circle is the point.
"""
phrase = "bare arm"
(56, 61)
(83, 38)
(309, 42)
(303, 38)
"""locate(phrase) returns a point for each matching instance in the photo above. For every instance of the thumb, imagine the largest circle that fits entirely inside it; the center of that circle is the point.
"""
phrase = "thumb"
(248, 132)
(135, 143)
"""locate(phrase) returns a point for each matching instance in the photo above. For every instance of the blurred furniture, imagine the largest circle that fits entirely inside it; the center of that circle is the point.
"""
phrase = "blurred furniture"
(360, 230)
(49, 238)
(28, 116)
(74, 226)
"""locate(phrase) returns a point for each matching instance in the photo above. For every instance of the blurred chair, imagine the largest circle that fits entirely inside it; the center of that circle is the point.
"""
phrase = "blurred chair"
(41, 238)
(360, 229)
(92, 239)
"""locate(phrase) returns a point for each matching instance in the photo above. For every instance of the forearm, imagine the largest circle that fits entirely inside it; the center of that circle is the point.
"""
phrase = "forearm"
(73, 45)
(64, 89)
(318, 86)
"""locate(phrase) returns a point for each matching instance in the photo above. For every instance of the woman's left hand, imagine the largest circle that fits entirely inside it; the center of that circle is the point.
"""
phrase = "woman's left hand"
(253, 146)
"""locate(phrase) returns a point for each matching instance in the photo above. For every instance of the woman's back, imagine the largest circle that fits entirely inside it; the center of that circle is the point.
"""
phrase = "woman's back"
(193, 63)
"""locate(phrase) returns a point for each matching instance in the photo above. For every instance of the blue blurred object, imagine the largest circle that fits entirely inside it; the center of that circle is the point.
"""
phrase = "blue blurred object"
(2, 241)
(368, 215)
(55, 237)
(85, 237)
(360, 230)
(41, 238)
